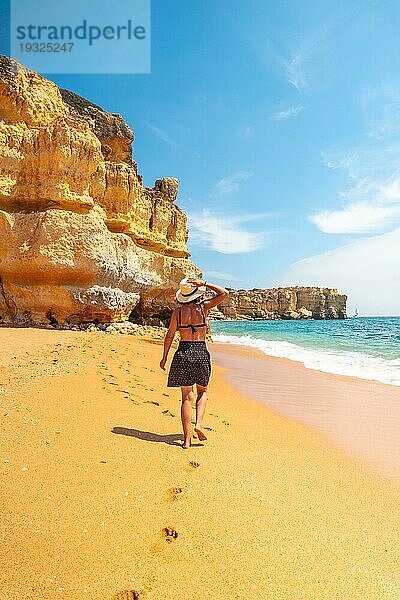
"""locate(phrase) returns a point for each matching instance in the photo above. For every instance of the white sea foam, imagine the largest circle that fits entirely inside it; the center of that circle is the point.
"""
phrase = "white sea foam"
(355, 364)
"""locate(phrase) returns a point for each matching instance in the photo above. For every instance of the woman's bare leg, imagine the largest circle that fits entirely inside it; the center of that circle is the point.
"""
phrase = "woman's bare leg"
(201, 403)
(186, 414)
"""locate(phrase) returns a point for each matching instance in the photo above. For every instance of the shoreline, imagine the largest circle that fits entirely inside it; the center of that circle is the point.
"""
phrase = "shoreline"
(291, 361)
(350, 412)
(100, 501)
(344, 363)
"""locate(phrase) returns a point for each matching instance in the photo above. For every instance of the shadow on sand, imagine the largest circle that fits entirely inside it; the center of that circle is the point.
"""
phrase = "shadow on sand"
(172, 439)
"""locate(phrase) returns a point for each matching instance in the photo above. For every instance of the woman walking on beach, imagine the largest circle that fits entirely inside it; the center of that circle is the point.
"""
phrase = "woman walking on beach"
(191, 363)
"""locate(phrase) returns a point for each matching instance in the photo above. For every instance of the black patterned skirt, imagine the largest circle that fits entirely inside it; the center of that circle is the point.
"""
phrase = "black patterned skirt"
(190, 364)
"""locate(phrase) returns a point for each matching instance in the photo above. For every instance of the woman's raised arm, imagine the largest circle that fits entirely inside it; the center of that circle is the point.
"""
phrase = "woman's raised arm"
(221, 292)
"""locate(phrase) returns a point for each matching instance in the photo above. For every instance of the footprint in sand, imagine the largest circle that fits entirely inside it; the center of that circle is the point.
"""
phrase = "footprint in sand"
(151, 402)
(170, 534)
(226, 423)
(174, 493)
(168, 413)
(194, 464)
(126, 595)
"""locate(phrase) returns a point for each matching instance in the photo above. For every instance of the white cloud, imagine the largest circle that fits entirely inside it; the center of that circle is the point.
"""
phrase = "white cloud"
(381, 108)
(367, 270)
(371, 202)
(231, 183)
(390, 190)
(163, 135)
(296, 65)
(224, 234)
(358, 217)
(221, 276)
(293, 68)
(289, 63)
(373, 206)
(371, 160)
(287, 114)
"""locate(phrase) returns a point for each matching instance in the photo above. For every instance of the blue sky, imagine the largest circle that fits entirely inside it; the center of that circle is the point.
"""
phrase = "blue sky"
(282, 122)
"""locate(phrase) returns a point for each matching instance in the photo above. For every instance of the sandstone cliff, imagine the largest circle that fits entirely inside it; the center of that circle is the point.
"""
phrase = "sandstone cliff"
(81, 239)
(283, 303)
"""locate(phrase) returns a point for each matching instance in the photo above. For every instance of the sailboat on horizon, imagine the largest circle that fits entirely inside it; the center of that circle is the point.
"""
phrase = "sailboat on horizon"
(356, 312)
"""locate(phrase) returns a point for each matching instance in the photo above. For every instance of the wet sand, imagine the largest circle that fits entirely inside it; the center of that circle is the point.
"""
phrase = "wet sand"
(99, 500)
(359, 416)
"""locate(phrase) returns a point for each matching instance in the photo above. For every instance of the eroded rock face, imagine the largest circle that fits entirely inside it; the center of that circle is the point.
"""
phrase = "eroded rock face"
(283, 303)
(81, 239)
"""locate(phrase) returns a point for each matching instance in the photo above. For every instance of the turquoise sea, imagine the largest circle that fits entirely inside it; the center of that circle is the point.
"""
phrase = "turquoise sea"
(365, 347)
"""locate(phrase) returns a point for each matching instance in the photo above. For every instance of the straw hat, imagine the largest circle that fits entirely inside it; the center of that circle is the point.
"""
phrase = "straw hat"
(189, 291)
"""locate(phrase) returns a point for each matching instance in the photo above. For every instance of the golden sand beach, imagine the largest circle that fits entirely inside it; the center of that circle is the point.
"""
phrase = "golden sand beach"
(100, 501)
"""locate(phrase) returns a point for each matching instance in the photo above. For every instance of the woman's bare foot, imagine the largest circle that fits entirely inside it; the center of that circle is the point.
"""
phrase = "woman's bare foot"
(187, 443)
(202, 436)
